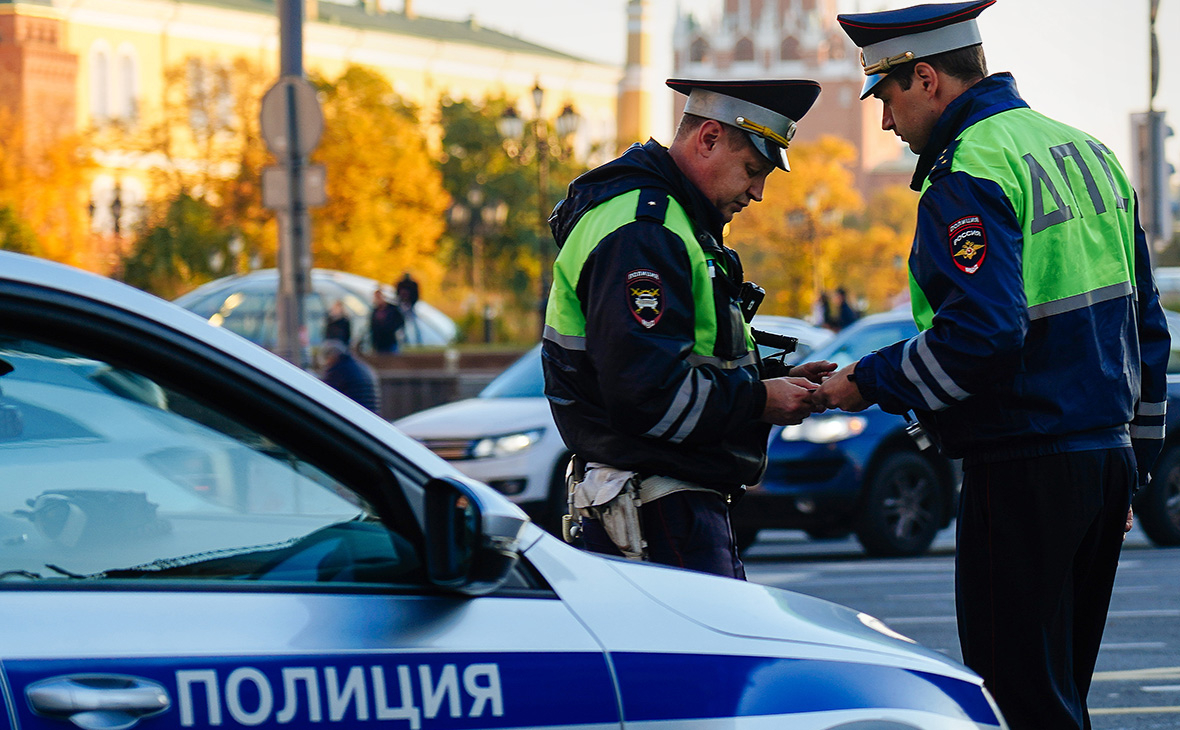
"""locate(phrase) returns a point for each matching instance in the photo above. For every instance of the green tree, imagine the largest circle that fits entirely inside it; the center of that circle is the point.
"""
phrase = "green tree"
(185, 246)
(16, 235)
(497, 231)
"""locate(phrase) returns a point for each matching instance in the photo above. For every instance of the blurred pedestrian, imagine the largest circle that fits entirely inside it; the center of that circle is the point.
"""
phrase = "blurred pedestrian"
(842, 313)
(385, 321)
(338, 325)
(349, 375)
(407, 298)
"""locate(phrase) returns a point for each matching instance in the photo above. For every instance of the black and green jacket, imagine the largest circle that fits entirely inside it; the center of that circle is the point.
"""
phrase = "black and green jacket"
(648, 363)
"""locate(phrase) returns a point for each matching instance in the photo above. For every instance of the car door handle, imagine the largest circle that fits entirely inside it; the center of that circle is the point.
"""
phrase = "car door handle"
(98, 701)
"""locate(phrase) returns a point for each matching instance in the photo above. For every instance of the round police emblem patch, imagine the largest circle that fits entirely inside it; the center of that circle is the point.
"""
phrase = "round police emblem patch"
(645, 296)
(968, 243)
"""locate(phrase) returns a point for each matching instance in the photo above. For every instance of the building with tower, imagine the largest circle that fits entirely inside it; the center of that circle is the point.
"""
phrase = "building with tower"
(796, 39)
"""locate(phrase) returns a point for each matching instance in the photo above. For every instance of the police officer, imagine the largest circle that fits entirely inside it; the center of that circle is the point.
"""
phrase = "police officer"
(1040, 359)
(650, 368)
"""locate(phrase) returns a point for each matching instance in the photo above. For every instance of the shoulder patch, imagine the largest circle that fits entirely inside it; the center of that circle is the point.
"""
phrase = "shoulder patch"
(968, 243)
(645, 296)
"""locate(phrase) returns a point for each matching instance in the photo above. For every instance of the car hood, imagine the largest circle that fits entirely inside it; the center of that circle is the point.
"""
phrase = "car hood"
(751, 611)
(477, 417)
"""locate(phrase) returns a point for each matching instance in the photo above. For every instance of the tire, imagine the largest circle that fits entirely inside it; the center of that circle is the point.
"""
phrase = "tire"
(1158, 505)
(903, 507)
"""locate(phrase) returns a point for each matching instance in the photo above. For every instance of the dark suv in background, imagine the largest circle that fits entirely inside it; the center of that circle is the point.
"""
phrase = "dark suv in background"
(839, 473)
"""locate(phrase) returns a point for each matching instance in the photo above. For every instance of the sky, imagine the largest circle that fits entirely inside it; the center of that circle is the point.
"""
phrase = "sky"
(1083, 62)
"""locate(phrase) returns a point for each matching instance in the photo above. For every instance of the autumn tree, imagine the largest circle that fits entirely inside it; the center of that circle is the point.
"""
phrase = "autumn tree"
(43, 195)
(386, 202)
(811, 234)
(206, 155)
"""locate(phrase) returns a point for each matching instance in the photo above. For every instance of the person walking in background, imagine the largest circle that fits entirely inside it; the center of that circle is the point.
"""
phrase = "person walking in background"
(1041, 356)
(385, 321)
(348, 374)
(338, 325)
(407, 297)
(842, 313)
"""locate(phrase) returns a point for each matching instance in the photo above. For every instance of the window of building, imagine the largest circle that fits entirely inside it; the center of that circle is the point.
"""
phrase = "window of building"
(100, 82)
(126, 101)
(789, 51)
(744, 50)
(699, 51)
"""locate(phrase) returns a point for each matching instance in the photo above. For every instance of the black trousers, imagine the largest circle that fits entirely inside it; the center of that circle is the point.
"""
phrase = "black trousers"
(1038, 546)
(683, 529)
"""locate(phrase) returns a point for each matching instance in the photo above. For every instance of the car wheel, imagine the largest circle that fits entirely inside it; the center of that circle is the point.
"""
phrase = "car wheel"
(1158, 505)
(903, 507)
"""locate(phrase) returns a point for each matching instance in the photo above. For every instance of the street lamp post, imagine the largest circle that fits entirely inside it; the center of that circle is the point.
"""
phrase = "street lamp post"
(511, 128)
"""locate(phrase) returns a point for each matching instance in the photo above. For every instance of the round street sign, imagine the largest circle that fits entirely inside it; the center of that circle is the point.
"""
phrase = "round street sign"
(291, 112)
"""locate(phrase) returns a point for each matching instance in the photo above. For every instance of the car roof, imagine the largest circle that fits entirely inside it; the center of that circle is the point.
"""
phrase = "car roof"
(106, 294)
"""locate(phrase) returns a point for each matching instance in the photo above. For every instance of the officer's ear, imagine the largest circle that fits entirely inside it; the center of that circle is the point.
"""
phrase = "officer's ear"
(927, 78)
(709, 136)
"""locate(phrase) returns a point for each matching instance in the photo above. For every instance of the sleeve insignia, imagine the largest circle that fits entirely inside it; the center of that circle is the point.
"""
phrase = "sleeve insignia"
(645, 296)
(968, 243)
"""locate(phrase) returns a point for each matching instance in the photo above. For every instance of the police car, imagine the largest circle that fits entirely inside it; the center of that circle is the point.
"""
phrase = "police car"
(195, 534)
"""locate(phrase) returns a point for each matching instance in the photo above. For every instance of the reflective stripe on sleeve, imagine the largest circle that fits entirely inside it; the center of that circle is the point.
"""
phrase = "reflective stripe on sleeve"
(569, 342)
(680, 403)
(933, 402)
(940, 376)
(703, 387)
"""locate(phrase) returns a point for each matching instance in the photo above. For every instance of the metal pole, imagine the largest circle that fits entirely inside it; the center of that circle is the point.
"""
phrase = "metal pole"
(543, 219)
(294, 247)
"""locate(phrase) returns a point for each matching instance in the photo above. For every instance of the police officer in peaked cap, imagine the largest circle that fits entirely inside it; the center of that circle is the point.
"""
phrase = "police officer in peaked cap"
(650, 366)
(1041, 355)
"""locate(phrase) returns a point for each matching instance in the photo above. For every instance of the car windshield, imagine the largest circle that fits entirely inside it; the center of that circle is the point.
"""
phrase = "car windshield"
(867, 335)
(522, 379)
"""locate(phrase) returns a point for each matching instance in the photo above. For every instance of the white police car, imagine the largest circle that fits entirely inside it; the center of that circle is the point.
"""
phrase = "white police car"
(195, 534)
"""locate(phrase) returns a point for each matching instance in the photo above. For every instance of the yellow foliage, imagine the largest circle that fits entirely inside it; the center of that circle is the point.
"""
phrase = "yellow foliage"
(797, 242)
(386, 204)
(46, 188)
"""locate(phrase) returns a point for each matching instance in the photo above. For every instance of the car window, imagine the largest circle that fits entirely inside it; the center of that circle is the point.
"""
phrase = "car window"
(247, 312)
(523, 379)
(108, 474)
(863, 338)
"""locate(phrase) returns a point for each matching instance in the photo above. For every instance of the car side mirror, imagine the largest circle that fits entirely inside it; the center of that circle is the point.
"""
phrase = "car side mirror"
(470, 546)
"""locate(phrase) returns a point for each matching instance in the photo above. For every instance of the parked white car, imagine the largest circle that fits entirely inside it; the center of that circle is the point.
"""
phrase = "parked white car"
(506, 437)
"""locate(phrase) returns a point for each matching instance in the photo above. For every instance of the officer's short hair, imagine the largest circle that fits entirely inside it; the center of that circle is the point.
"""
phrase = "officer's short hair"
(965, 64)
(690, 123)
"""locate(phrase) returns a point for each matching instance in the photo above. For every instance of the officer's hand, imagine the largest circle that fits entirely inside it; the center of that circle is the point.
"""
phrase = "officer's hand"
(1130, 522)
(840, 392)
(813, 371)
(788, 401)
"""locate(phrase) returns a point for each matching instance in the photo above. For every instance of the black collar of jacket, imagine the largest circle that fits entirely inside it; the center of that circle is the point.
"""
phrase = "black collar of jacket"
(641, 166)
(992, 95)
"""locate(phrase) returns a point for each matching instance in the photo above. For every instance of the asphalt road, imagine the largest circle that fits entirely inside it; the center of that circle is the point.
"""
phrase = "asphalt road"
(1137, 680)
